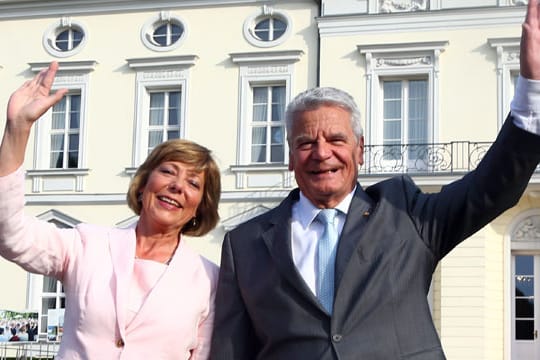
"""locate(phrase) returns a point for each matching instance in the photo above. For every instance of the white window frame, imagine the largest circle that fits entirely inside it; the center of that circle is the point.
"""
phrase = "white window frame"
(162, 73)
(264, 13)
(147, 31)
(400, 61)
(49, 37)
(75, 77)
(522, 237)
(261, 68)
(507, 50)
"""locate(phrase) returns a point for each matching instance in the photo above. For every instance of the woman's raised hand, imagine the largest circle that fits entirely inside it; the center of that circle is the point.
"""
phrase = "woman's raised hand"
(33, 99)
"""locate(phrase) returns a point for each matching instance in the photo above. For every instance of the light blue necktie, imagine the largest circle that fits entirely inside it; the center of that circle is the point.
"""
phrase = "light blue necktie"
(326, 258)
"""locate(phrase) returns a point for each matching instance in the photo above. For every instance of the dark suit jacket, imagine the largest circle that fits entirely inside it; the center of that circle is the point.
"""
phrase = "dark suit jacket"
(392, 240)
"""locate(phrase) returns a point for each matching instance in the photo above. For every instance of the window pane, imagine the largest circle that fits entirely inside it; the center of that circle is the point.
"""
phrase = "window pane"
(174, 108)
(392, 131)
(57, 142)
(260, 103)
(77, 37)
(49, 284)
(258, 141)
(73, 142)
(257, 154)
(160, 35)
(75, 112)
(524, 285)
(524, 308)
(279, 28)
(418, 111)
(277, 153)
(524, 265)
(154, 138)
(73, 159)
(57, 160)
(262, 30)
(277, 135)
(157, 102)
(176, 32)
(62, 40)
(278, 103)
(173, 134)
(525, 330)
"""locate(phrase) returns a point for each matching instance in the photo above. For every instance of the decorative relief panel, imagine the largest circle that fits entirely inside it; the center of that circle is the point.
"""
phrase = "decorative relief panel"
(390, 6)
(528, 229)
(423, 60)
(257, 70)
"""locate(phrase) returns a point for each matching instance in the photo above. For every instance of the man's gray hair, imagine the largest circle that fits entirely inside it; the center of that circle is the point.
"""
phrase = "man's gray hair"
(312, 99)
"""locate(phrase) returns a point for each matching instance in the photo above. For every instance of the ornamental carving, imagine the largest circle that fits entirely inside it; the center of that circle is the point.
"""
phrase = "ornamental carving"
(257, 70)
(424, 60)
(390, 6)
(528, 229)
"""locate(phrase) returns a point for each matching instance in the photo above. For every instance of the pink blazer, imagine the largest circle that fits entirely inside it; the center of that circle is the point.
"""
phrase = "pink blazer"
(95, 265)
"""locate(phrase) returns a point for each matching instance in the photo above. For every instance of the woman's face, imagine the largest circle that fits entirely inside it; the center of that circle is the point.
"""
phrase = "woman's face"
(171, 195)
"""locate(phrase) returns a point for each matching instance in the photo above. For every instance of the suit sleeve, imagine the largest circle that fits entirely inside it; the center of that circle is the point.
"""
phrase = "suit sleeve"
(463, 207)
(233, 336)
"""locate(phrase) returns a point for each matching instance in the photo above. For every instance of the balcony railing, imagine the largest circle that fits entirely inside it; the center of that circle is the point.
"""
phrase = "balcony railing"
(438, 158)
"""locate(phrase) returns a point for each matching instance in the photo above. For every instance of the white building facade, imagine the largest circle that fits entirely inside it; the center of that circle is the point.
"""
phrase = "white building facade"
(433, 80)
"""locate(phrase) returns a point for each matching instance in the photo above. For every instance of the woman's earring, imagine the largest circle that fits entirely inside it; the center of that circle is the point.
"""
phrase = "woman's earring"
(194, 221)
(139, 197)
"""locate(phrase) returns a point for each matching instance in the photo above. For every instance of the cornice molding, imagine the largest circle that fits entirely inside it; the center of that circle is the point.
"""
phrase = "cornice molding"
(338, 25)
(13, 9)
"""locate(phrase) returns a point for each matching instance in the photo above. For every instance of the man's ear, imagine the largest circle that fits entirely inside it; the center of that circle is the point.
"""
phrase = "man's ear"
(291, 160)
(360, 150)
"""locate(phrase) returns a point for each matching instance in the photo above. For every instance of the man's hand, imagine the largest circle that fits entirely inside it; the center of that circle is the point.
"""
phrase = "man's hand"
(530, 43)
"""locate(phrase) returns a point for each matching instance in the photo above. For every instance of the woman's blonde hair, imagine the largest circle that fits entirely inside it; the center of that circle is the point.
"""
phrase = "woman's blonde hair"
(190, 153)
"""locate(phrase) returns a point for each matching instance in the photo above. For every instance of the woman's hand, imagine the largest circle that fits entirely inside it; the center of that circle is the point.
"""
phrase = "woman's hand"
(25, 106)
(33, 99)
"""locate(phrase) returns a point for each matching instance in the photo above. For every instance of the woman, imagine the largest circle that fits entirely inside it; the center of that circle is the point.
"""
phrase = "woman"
(137, 293)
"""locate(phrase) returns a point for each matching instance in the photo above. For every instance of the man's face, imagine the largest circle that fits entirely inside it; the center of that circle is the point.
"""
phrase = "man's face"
(325, 154)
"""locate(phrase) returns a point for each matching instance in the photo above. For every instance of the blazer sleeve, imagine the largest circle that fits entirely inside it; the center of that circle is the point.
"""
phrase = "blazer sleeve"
(35, 245)
(233, 336)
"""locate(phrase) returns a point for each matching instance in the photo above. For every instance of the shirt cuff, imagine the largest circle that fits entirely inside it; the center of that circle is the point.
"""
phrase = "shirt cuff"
(525, 107)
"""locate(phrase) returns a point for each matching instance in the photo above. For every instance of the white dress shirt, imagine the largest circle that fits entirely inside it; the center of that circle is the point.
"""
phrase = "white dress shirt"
(525, 108)
(305, 233)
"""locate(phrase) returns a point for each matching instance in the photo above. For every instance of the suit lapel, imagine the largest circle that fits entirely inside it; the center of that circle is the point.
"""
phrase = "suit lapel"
(359, 213)
(122, 247)
(278, 240)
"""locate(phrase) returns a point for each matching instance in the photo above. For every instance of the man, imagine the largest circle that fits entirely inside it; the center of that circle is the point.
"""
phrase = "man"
(271, 300)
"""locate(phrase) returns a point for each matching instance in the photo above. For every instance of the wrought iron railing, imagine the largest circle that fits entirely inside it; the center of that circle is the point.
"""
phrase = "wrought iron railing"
(436, 158)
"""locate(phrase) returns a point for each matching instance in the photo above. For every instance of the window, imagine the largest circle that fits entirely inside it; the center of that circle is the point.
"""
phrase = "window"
(268, 125)
(163, 32)
(161, 91)
(68, 39)
(65, 38)
(65, 130)
(163, 117)
(265, 90)
(46, 294)
(507, 50)
(405, 119)
(59, 152)
(167, 34)
(53, 302)
(268, 27)
(402, 106)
